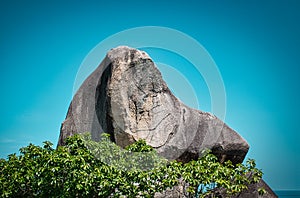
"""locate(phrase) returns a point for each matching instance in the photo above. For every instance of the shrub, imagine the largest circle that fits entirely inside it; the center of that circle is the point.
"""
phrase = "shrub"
(84, 168)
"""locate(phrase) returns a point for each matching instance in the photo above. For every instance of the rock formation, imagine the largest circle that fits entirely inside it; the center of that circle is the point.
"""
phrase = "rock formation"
(127, 97)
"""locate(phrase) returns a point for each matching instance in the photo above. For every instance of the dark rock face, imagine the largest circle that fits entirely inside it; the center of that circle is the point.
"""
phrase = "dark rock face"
(252, 191)
(127, 97)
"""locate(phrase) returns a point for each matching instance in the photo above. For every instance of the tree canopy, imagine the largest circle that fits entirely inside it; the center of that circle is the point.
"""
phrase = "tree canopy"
(85, 168)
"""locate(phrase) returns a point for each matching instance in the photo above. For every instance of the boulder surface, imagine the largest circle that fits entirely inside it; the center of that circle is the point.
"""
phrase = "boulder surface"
(127, 97)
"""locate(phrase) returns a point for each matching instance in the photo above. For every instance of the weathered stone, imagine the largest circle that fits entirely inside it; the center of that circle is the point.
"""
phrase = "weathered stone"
(252, 191)
(127, 97)
(175, 192)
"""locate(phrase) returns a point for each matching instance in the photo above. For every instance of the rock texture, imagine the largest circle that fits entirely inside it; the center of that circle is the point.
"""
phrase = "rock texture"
(127, 97)
(252, 191)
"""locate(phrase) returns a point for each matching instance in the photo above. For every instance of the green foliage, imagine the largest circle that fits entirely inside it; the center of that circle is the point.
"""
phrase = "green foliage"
(74, 171)
(137, 156)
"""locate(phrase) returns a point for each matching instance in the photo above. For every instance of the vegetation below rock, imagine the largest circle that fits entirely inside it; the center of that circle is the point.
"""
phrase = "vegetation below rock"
(84, 168)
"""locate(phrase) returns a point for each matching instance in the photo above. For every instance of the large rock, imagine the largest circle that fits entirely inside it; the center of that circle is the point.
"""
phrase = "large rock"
(127, 97)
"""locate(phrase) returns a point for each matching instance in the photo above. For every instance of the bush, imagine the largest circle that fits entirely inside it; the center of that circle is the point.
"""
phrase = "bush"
(84, 168)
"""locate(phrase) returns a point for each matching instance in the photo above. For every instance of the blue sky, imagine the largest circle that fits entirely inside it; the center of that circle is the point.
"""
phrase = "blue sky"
(255, 45)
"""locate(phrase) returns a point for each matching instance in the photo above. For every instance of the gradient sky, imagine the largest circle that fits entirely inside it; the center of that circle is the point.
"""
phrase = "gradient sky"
(255, 45)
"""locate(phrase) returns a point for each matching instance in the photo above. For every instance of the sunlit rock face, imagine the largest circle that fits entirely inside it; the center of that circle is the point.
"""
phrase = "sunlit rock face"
(127, 97)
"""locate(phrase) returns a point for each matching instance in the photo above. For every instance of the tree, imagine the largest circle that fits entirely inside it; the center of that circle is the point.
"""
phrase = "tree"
(84, 168)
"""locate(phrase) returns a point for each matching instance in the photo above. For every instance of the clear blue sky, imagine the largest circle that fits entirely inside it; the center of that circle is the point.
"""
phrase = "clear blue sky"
(255, 45)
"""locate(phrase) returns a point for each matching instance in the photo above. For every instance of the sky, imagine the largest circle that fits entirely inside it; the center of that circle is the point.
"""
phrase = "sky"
(254, 44)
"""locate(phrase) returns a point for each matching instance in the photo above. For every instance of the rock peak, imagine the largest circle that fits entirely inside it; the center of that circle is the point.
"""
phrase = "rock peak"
(125, 52)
